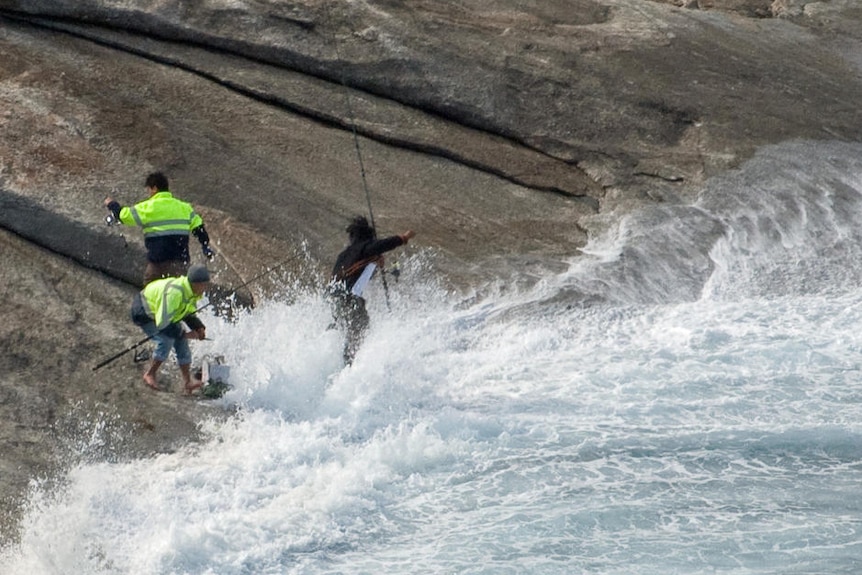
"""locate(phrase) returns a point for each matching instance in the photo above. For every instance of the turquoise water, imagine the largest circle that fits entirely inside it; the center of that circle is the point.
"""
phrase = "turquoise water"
(685, 398)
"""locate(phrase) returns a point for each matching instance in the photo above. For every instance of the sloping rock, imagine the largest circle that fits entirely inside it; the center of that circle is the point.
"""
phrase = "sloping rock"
(499, 131)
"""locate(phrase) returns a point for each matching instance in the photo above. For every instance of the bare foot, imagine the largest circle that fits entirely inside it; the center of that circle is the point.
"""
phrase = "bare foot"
(193, 385)
(150, 380)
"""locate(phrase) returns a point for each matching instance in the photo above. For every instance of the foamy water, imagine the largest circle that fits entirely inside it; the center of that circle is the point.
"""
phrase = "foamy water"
(704, 417)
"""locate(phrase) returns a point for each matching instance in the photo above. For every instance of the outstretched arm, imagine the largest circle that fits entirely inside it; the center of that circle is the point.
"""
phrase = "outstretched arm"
(379, 247)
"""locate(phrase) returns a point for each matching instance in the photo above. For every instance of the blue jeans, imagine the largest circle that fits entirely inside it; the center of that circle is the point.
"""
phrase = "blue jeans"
(170, 337)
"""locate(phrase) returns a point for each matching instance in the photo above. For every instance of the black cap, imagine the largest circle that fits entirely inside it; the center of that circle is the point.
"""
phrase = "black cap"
(198, 274)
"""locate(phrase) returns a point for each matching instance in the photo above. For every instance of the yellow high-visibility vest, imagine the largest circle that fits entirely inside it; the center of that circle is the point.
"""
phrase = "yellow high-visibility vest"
(169, 300)
(162, 215)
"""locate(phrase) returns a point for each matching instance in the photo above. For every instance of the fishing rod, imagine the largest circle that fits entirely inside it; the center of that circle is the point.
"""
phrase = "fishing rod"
(198, 310)
(352, 121)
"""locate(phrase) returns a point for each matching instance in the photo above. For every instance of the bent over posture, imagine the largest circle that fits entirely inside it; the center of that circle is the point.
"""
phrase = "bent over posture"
(354, 267)
(160, 309)
(166, 222)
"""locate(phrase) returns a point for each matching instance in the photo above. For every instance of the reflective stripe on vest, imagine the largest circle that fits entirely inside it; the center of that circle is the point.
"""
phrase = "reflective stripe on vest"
(165, 309)
(162, 215)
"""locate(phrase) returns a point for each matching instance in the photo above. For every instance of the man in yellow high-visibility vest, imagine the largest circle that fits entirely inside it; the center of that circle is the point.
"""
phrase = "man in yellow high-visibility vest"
(161, 309)
(167, 223)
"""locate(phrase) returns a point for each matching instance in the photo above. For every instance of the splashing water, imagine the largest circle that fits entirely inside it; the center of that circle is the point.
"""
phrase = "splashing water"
(701, 414)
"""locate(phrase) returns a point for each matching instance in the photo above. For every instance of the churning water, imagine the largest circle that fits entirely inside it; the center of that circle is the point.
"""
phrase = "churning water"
(686, 398)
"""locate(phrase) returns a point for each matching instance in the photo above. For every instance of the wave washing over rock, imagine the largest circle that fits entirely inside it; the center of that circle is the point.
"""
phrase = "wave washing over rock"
(525, 432)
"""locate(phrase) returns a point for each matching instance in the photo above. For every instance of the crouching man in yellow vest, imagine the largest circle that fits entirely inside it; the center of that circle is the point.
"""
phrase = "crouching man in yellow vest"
(160, 309)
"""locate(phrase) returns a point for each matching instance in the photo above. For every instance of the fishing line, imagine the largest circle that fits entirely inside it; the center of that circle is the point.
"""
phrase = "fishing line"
(352, 122)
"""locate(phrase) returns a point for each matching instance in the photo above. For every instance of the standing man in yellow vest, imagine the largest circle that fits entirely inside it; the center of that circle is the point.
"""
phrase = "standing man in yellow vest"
(161, 309)
(167, 223)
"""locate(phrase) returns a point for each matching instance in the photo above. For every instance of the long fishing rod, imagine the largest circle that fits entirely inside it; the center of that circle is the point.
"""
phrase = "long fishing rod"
(200, 309)
(352, 121)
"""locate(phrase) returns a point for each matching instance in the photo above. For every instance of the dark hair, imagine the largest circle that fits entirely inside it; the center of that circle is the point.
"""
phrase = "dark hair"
(158, 181)
(360, 229)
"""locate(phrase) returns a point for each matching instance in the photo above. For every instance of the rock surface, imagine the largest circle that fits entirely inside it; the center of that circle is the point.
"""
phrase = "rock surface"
(497, 130)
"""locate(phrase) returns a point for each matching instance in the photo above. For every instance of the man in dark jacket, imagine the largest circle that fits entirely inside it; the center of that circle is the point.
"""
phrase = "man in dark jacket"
(353, 269)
